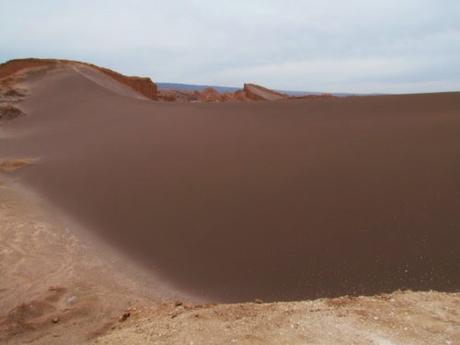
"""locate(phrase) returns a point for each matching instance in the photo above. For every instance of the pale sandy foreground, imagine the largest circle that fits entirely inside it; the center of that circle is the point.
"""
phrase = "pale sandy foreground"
(58, 284)
(401, 318)
(78, 295)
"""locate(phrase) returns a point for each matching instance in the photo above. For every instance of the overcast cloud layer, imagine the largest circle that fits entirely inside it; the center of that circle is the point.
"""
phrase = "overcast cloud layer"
(338, 46)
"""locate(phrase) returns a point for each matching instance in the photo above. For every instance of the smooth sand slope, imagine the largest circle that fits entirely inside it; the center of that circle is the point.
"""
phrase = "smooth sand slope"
(60, 287)
(272, 200)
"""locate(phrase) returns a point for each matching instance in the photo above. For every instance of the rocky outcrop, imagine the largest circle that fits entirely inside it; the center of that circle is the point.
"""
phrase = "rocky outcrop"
(11, 67)
(260, 93)
(144, 86)
(178, 96)
(250, 92)
(210, 95)
(147, 88)
(207, 95)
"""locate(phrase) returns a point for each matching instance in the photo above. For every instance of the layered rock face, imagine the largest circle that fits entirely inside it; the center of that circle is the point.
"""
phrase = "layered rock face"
(143, 85)
(260, 93)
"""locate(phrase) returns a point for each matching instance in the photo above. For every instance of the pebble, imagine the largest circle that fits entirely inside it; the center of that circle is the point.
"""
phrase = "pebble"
(71, 300)
(125, 316)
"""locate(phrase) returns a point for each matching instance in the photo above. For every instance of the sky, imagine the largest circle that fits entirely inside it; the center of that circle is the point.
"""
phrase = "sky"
(365, 46)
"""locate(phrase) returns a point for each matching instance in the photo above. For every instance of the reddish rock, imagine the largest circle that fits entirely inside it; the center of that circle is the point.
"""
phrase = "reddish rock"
(210, 95)
(144, 86)
(125, 316)
(260, 93)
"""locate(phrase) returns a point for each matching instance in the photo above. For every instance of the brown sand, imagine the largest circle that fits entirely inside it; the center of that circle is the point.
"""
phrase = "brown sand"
(60, 286)
(283, 200)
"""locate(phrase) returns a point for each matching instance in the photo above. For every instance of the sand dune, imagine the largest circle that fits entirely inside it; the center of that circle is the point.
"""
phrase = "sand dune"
(236, 201)
(285, 200)
(60, 287)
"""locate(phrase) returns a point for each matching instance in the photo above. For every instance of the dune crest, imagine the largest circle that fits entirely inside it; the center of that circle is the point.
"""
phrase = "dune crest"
(143, 86)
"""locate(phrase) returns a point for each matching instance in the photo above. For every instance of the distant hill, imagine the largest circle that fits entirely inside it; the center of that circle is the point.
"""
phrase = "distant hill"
(194, 87)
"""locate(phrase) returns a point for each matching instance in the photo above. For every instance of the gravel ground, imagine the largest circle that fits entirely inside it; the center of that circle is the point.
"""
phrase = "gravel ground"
(400, 318)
